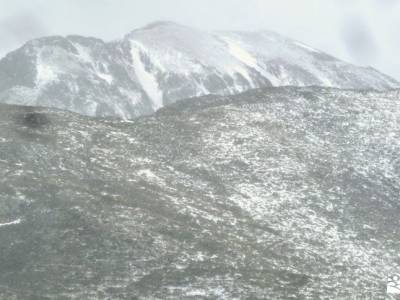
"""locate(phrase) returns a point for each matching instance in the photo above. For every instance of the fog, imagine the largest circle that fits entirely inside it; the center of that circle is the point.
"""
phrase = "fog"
(363, 32)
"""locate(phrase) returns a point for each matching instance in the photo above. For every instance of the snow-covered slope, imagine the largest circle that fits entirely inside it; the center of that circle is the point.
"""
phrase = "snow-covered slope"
(164, 62)
(280, 193)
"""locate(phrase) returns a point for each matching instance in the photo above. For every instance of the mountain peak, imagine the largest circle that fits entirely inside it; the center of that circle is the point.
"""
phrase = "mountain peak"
(158, 28)
(163, 62)
(161, 23)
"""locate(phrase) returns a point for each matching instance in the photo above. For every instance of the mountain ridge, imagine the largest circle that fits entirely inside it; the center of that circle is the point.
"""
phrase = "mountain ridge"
(163, 62)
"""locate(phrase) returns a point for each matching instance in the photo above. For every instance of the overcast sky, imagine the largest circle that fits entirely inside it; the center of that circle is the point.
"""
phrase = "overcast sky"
(363, 32)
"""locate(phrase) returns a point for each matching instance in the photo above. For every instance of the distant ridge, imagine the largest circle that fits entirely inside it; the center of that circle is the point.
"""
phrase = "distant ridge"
(164, 62)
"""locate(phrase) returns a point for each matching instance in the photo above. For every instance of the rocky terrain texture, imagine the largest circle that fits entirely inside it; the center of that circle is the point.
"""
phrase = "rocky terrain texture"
(277, 193)
(164, 62)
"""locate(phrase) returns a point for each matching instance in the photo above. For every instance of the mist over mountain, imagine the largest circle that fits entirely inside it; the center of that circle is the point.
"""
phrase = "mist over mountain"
(279, 193)
(164, 62)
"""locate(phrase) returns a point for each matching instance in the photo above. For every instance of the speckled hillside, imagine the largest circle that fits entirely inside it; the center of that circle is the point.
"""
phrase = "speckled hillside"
(281, 193)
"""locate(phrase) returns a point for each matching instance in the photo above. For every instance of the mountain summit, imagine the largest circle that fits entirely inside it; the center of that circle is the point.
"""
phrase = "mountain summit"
(164, 62)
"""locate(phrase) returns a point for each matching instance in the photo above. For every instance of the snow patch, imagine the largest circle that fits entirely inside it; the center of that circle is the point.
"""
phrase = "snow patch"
(241, 54)
(242, 71)
(18, 221)
(149, 175)
(84, 53)
(45, 74)
(106, 77)
(306, 47)
(147, 80)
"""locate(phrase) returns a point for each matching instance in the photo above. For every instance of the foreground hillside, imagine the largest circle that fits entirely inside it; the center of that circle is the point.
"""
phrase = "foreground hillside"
(281, 193)
(164, 62)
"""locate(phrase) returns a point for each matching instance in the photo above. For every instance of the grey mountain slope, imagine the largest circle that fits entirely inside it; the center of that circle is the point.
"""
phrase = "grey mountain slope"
(281, 193)
(164, 62)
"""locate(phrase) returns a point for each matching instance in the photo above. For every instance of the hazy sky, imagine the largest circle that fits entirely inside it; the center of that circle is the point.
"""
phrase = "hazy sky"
(363, 32)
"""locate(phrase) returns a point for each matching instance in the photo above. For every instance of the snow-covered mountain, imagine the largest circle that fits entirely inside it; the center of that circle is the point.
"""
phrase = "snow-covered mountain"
(280, 193)
(164, 62)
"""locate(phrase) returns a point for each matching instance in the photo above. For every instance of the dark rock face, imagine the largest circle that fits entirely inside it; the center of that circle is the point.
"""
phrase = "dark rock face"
(33, 120)
(165, 62)
(282, 193)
